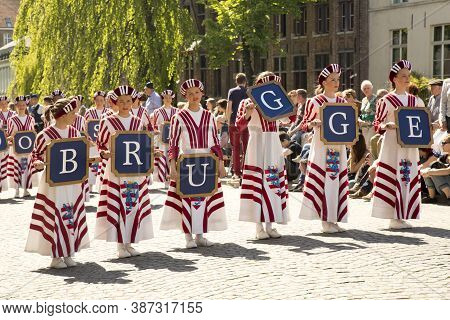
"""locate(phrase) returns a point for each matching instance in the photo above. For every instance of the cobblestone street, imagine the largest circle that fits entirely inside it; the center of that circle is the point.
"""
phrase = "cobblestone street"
(366, 262)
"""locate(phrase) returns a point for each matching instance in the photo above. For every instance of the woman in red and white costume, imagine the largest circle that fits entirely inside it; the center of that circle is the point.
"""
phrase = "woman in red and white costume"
(20, 170)
(58, 224)
(161, 115)
(124, 209)
(95, 113)
(5, 115)
(264, 192)
(396, 194)
(193, 130)
(142, 113)
(79, 122)
(325, 193)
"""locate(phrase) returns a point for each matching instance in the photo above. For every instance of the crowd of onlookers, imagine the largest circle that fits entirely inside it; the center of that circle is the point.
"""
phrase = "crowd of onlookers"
(362, 156)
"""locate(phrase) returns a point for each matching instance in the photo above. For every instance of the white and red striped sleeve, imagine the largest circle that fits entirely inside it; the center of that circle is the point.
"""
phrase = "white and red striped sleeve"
(103, 136)
(310, 114)
(40, 146)
(174, 141)
(216, 149)
(241, 122)
(10, 127)
(380, 115)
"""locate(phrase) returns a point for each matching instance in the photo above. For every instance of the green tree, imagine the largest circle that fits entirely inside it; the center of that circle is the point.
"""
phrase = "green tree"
(245, 27)
(422, 83)
(83, 46)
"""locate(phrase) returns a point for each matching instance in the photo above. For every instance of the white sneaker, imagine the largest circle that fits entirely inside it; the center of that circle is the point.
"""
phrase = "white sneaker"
(328, 227)
(17, 194)
(58, 263)
(203, 242)
(69, 262)
(190, 244)
(338, 227)
(26, 194)
(399, 224)
(273, 233)
(262, 235)
(132, 250)
(122, 251)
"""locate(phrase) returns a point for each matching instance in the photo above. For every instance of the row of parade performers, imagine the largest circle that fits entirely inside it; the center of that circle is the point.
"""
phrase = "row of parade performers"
(264, 187)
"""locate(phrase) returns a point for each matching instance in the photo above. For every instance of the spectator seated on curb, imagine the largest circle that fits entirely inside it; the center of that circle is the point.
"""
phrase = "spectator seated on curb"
(291, 150)
(437, 176)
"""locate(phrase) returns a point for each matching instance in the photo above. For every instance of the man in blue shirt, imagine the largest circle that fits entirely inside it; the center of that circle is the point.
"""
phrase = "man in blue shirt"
(154, 100)
(235, 96)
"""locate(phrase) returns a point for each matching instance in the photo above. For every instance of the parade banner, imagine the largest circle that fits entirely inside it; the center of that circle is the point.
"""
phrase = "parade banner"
(23, 142)
(339, 123)
(197, 175)
(132, 153)
(92, 127)
(165, 132)
(3, 141)
(67, 161)
(413, 127)
(271, 100)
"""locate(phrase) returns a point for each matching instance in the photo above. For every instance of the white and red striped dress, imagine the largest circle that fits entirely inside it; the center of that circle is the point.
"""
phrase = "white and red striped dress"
(58, 224)
(124, 209)
(162, 115)
(264, 191)
(193, 132)
(80, 123)
(4, 117)
(94, 168)
(397, 179)
(325, 193)
(20, 170)
(142, 114)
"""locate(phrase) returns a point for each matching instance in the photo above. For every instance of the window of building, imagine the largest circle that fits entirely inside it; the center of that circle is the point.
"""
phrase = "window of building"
(299, 71)
(279, 68)
(346, 15)
(301, 22)
(279, 24)
(322, 17)
(263, 64)
(7, 38)
(203, 68)
(399, 1)
(218, 83)
(346, 63)
(399, 45)
(237, 66)
(441, 51)
(8, 23)
(189, 67)
(201, 17)
(321, 61)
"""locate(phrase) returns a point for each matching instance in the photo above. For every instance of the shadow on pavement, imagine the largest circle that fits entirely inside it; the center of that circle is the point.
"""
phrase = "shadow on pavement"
(429, 231)
(305, 244)
(11, 201)
(227, 251)
(372, 237)
(161, 191)
(157, 261)
(90, 209)
(157, 206)
(90, 272)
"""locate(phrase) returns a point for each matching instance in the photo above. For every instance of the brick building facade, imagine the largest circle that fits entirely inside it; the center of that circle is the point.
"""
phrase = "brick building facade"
(333, 31)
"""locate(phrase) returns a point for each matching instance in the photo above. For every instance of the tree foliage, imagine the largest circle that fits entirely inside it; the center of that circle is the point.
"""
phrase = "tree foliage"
(89, 45)
(422, 83)
(243, 26)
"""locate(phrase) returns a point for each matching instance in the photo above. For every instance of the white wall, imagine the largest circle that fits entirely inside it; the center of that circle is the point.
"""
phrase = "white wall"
(419, 17)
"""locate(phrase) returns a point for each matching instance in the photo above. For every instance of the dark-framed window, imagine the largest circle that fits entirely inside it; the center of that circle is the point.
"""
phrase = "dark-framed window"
(346, 62)
(279, 23)
(322, 17)
(279, 68)
(300, 23)
(299, 71)
(346, 15)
